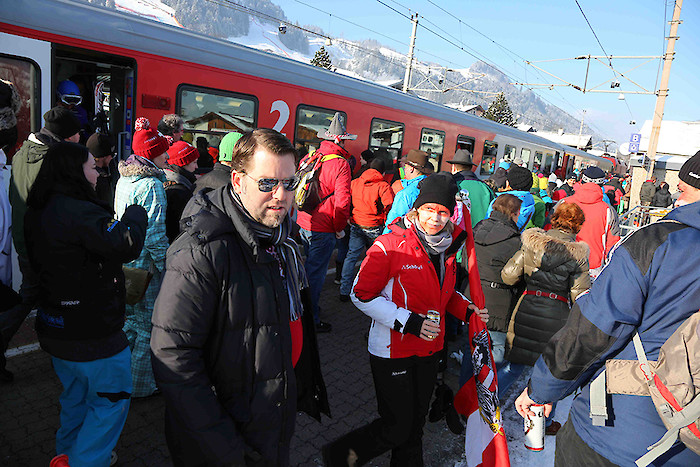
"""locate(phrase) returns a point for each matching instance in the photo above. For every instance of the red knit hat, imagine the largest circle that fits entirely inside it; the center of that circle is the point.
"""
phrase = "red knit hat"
(182, 153)
(148, 142)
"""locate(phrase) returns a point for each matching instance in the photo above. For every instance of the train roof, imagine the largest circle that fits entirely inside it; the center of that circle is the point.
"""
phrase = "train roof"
(110, 27)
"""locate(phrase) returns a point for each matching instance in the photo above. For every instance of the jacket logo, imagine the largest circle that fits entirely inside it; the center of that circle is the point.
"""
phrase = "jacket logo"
(398, 373)
(70, 302)
(406, 267)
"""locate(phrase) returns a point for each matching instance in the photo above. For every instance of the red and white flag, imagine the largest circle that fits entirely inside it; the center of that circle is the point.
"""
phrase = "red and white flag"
(478, 399)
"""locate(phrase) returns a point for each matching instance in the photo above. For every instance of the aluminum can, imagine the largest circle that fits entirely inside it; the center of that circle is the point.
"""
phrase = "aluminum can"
(534, 429)
(433, 316)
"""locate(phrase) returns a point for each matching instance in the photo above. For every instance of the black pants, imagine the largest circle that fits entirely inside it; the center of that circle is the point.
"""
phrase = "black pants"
(572, 451)
(404, 387)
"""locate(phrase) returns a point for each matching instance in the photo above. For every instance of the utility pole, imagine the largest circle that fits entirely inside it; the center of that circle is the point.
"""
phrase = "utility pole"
(580, 129)
(407, 77)
(663, 87)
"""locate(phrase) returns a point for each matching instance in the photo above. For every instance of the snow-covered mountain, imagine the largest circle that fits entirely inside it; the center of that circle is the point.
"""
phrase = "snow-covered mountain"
(369, 59)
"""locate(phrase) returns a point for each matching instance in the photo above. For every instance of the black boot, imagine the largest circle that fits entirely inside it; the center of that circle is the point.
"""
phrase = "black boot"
(338, 272)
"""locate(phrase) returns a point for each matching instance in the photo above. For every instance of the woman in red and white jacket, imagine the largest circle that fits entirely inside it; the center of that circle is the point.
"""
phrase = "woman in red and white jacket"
(406, 274)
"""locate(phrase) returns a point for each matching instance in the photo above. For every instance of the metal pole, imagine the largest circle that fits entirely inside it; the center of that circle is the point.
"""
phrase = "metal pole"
(580, 129)
(407, 77)
(663, 87)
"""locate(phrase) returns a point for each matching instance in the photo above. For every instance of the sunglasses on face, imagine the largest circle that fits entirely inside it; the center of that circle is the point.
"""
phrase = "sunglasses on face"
(267, 185)
(71, 99)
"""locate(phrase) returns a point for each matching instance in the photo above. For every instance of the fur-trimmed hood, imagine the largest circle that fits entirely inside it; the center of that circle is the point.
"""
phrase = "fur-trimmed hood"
(553, 248)
(138, 167)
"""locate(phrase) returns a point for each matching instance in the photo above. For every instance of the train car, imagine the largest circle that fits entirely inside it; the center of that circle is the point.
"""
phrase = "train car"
(127, 67)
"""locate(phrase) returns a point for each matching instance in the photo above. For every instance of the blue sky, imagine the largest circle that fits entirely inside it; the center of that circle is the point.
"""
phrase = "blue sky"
(540, 30)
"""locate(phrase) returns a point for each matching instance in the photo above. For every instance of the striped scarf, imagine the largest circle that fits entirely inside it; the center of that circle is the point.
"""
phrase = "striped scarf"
(277, 242)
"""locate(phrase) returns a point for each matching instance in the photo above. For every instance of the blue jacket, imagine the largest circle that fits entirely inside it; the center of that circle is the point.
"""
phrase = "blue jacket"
(527, 209)
(651, 286)
(403, 201)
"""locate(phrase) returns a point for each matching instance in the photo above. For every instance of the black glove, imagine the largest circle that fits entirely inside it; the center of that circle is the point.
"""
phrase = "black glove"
(414, 324)
(135, 215)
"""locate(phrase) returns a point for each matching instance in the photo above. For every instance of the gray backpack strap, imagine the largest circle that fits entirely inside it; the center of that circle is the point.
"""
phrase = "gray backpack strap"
(642, 357)
(598, 400)
(681, 419)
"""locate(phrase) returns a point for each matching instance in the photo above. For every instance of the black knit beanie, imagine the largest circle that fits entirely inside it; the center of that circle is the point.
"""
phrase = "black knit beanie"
(439, 188)
(61, 122)
(690, 171)
(520, 178)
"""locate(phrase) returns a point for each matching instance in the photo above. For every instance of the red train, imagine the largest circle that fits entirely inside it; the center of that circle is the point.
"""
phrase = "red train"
(128, 66)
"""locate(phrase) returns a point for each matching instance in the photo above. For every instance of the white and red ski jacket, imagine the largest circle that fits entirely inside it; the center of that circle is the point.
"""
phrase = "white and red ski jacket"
(397, 278)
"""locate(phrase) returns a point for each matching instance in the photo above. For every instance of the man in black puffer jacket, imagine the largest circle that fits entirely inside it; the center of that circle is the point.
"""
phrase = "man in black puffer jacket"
(233, 340)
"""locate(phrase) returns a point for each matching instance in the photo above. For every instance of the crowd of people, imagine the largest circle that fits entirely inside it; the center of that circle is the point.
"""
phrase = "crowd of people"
(157, 278)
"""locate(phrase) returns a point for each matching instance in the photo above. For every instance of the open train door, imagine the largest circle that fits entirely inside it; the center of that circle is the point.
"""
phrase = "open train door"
(106, 84)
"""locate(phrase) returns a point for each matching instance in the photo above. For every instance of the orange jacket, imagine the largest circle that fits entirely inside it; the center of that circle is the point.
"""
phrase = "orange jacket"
(371, 199)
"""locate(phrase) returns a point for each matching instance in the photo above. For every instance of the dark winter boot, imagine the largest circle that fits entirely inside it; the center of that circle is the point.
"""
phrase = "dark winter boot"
(338, 272)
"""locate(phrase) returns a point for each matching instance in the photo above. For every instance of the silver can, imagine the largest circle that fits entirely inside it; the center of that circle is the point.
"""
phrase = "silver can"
(433, 316)
(534, 429)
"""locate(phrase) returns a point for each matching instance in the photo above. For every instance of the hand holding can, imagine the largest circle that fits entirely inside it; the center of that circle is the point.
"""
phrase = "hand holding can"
(534, 428)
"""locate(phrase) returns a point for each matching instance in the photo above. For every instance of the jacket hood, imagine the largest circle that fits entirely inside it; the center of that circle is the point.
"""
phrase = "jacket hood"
(495, 229)
(211, 214)
(176, 174)
(371, 176)
(137, 167)
(589, 193)
(553, 248)
(688, 215)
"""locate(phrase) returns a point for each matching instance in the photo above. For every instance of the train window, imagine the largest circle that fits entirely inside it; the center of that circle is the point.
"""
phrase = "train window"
(525, 156)
(509, 153)
(488, 160)
(387, 135)
(211, 113)
(433, 142)
(538, 162)
(24, 74)
(309, 121)
(465, 142)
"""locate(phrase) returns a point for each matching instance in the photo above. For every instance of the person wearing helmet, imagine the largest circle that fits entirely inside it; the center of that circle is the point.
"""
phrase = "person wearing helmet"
(70, 97)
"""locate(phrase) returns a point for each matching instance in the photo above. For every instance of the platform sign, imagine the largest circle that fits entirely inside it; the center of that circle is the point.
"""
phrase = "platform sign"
(636, 138)
(634, 147)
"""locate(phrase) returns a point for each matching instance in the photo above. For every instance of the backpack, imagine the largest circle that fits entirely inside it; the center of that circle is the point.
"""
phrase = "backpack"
(672, 382)
(307, 195)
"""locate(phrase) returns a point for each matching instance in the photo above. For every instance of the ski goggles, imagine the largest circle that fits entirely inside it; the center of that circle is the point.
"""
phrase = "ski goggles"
(267, 185)
(71, 99)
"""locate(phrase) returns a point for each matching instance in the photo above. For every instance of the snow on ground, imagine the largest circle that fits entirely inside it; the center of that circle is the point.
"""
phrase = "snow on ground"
(151, 9)
(513, 425)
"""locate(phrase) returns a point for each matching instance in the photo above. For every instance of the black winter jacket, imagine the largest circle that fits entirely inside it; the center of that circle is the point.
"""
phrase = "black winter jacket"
(222, 347)
(647, 192)
(662, 198)
(178, 190)
(551, 262)
(219, 176)
(77, 249)
(496, 240)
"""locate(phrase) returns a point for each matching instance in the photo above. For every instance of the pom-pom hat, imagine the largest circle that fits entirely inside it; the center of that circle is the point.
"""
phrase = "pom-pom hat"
(148, 142)
(182, 153)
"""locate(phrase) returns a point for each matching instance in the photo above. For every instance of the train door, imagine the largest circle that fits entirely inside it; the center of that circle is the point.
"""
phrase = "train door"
(99, 88)
(26, 63)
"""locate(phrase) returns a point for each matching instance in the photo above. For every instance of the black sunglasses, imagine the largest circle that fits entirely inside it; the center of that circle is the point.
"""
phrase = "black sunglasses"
(266, 185)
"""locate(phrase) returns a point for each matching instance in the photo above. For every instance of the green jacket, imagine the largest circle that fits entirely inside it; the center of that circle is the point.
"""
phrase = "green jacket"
(539, 216)
(25, 167)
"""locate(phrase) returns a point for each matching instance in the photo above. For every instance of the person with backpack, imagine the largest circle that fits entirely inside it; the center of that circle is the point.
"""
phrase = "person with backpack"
(323, 221)
(649, 287)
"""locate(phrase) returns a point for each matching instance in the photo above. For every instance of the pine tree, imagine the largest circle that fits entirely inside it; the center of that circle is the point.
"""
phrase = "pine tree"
(322, 59)
(499, 111)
